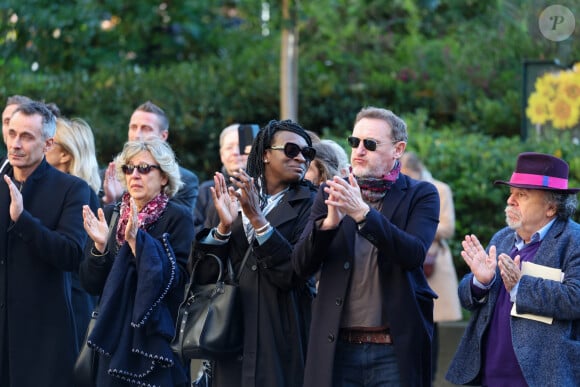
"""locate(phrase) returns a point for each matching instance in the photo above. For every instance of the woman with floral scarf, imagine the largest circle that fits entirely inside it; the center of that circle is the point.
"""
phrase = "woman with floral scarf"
(139, 270)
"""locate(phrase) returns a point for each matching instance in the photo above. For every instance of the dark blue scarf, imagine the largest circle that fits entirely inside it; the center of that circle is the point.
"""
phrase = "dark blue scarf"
(135, 327)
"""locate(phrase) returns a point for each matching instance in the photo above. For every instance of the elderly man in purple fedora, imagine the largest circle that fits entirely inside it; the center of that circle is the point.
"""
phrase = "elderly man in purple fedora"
(525, 328)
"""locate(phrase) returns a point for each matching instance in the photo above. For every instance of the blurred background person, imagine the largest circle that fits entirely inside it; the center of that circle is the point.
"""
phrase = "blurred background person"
(331, 160)
(73, 152)
(438, 266)
(139, 269)
(12, 103)
(149, 120)
(263, 214)
(232, 160)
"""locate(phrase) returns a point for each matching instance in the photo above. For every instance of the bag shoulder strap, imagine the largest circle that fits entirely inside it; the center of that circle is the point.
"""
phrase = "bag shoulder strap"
(244, 262)
(112, 223)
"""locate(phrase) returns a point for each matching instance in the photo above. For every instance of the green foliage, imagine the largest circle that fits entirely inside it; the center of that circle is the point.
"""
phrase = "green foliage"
(470, 163)
(451, 68)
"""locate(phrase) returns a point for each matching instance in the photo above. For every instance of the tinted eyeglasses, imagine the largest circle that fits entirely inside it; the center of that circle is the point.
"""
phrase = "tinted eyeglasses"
(369, 144)
(143, 169)
(291, 150)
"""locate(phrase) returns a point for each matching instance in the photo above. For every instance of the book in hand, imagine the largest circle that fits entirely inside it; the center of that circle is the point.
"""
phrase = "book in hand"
(546, 272)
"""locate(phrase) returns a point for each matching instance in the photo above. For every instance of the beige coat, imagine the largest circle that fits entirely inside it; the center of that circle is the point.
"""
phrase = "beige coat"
(444, 278)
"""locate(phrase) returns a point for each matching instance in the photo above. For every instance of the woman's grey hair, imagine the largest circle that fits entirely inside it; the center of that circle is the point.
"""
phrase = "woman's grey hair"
(565, 203)
(163, 155)
(398, 126)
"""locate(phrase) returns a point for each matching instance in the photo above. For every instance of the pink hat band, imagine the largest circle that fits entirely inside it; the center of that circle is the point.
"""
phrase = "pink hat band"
(539, 180)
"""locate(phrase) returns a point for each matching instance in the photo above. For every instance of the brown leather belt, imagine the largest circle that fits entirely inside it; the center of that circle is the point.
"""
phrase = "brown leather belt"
(355, 336)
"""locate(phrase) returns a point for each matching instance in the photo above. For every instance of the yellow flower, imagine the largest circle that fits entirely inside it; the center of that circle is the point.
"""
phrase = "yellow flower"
(537, 110)
(569, 86)
(564, 114)
(546, 85)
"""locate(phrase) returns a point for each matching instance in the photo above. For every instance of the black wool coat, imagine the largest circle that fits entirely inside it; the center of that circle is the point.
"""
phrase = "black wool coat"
(37, 254)
(275, 301)
(402, 232)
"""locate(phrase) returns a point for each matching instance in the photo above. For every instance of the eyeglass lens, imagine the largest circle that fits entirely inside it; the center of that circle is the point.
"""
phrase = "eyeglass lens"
(143, 169)
(291, 150)
(369, 144)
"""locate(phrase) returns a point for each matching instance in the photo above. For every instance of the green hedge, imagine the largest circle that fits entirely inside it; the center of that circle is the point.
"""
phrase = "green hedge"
(470, 163)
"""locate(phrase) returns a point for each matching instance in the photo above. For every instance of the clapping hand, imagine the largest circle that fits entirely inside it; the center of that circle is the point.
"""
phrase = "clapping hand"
(481, 264)
(344, 198)
(225, 202)
(132, 226)
(509, 270)
(96, 227)
(16, 203)
(111, 185)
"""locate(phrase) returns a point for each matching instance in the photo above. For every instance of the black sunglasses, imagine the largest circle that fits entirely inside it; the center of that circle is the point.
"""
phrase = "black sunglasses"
(291, 150)
(369, 144)
(143, 169)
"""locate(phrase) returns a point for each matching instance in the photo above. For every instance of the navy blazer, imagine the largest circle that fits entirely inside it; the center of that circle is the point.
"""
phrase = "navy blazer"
(36, 253)
(402, 233)
(547, 353)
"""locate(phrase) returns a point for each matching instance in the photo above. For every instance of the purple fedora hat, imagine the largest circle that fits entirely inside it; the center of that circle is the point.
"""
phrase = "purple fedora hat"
(540, 171)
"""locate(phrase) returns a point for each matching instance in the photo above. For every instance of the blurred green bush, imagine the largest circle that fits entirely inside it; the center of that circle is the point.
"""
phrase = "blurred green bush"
(451, 68)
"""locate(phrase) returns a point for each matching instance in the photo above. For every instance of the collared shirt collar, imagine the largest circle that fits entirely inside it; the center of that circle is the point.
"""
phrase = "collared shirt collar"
(538, 235)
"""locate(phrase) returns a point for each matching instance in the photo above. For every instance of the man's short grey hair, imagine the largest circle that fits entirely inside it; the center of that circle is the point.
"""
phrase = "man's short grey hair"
(48, 119)
(17, 100)
(398, 126)
(162, 154)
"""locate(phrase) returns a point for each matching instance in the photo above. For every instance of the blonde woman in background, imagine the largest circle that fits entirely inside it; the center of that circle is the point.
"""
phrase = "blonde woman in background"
(73, 152)
(439, 268)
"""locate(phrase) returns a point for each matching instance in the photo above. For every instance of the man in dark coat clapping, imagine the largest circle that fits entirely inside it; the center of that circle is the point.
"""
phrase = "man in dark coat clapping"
(42, 239)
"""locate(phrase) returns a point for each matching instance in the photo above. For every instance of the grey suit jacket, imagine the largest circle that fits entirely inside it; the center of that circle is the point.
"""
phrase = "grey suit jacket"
(548, 354)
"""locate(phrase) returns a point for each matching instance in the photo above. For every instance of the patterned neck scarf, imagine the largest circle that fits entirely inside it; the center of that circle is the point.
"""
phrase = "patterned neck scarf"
(147, 216)
(374, 189)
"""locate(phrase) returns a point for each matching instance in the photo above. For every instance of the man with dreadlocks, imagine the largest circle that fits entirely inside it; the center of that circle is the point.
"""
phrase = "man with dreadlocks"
(368, 235)
(264, 213)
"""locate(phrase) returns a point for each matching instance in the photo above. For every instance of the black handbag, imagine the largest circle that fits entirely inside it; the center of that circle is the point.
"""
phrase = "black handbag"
(209, 321)
(85, 367)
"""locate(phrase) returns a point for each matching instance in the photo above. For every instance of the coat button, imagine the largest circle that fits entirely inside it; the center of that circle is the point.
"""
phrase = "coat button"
(338, 301)
(254, 267)
(346, 265)
(330, 337)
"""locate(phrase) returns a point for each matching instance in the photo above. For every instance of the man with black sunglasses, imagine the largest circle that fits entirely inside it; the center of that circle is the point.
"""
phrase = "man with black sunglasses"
(367, 237)
(147, 121)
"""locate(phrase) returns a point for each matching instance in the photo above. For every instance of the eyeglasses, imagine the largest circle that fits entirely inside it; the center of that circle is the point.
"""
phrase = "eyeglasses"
(143, 169)
(292, 150)
(369, 144)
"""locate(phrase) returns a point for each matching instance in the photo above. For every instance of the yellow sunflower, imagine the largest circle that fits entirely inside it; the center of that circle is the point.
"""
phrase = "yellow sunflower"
(546, 85)
(569, 86)
(537, 110)
(564, 114)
